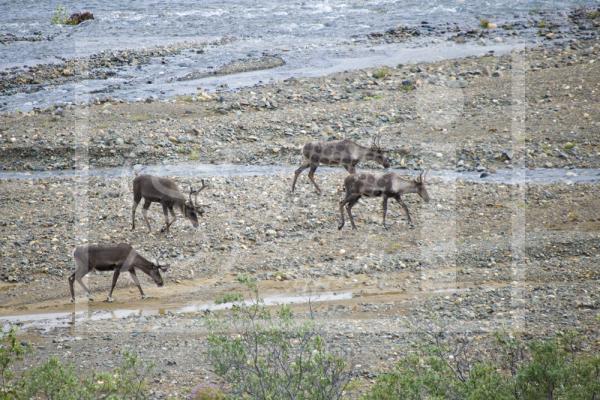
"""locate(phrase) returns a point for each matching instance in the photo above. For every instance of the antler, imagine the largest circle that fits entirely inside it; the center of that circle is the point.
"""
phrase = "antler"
(195, 193)
(376, 141)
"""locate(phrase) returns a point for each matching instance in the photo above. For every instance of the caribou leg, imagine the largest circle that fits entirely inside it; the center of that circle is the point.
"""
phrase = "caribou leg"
(114, 283)
(173, 215)
(81, 269)
(385, 202)
(145, 208)
(137, 282)
(305, 165)
(342, 204)
(79, 273)
(403, 204)
(167, 224)
(311, 176)
(351, 204)
(135, 205)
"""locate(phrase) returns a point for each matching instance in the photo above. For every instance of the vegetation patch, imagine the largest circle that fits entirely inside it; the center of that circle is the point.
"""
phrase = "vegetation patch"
(545, 369)
(267, 355)
(382, 73)
(232, 297)
(487, 24)
(55, 380)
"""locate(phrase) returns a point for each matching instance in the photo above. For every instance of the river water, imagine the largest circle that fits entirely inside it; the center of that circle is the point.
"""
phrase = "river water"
(313, 37)
(198, 170)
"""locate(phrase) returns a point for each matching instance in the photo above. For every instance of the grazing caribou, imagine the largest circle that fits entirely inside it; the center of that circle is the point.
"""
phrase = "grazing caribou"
(375, 185)
(338, 152)
(155, 189)
(112, 257)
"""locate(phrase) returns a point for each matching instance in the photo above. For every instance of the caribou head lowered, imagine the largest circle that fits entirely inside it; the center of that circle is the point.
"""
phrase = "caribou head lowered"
(155, 189)
(339, 152)
(375, 185)
(119, 258)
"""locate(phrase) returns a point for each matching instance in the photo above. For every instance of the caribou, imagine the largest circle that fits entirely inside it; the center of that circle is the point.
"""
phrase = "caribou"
(338, 152)
(155, 189)
(375, 185)
(119, 258)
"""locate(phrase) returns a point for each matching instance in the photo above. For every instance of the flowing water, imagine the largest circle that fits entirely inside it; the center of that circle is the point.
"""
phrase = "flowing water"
(313, 37)
(199, 170)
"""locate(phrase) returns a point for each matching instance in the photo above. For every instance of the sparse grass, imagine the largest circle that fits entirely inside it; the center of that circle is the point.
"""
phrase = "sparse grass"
(194, 155)
(407, 87)
(232, 297)
(207, 393)
(139, 117)
(373, 97)
(381, 73)
(542, 24)
(593, 14)
(186, 98)
(183, 150)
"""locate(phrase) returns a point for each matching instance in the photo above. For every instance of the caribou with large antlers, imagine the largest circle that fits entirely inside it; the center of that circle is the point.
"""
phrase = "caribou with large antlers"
(155, 189)
(375, 185)
(338, 152)
(112, 257)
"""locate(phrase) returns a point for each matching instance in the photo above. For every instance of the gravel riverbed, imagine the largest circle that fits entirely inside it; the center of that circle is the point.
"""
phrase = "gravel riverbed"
(482, 257)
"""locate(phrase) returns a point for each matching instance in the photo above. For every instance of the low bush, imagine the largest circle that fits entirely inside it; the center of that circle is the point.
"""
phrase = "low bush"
(56, 380)
(548, 369)
(267, 355)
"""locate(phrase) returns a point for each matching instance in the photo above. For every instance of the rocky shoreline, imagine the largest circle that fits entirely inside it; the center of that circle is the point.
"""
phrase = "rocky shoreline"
(448, 114)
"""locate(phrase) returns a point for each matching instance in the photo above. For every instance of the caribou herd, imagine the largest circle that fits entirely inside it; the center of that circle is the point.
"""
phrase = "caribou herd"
(122, 257)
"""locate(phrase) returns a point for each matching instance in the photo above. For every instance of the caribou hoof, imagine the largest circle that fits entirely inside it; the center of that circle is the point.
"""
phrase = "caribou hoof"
(109, 300)
(72, 299)
(411, 225)
(144, 297)
(340, 226)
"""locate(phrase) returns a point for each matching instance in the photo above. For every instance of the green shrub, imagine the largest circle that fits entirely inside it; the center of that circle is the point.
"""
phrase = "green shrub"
(229, 298)
(11, 351)
(381, 73)
(549, 369)
(272, 357)
(60, 16)
(56, 380)
(52, 380)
